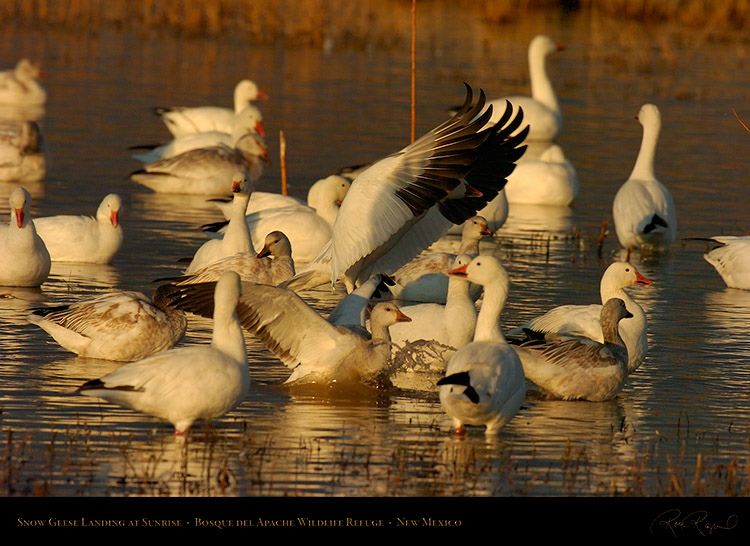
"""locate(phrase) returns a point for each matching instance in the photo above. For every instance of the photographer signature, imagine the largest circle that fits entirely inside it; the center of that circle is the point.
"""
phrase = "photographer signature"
(674, 521)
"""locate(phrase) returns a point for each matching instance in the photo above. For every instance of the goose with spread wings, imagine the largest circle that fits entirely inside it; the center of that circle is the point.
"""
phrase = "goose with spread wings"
(401, 204)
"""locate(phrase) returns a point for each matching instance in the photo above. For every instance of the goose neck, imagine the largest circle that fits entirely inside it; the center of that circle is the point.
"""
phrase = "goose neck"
(488, 319)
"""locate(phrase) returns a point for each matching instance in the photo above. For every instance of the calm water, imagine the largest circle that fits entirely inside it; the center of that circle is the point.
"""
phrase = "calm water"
(679, 426)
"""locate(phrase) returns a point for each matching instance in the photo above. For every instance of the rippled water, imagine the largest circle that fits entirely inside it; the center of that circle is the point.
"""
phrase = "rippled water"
(680, 425)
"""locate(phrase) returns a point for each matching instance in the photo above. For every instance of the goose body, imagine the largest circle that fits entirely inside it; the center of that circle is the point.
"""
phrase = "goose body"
(84, 239)
(549, 180)
(484, 382)
(425, 278)
(643, 209)
(272, 265)
(204, 171)
(236, 239)
(24, 259)
(118, 325)
(578, 368)
(314, 349)
(541, 109)
(185, 384)
(20, 86)
(186, 120)
(584, 320)
(731, 259)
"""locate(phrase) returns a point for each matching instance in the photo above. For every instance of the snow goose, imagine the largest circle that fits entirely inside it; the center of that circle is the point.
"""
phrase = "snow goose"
(118, 325)
(185, 384)
(578, 368)
(314, 349)
(425, 278)
(484, 382)
(643, 209)
(19, 86)
(24, 260)
(236, 239)
(541, 110)
(584, 320)
(549, 180)
(451, 324)
(401, 204)
(731, 259)
(272, 265)
(21, 154)
(184, 120)
(204, 171)
(84, 239)
(246, 122)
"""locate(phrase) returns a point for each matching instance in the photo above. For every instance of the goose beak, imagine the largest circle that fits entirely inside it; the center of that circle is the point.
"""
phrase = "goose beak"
(486, 232)
(472, 192)
(114, 218)
(459, 271)
(262, 95)
(641, 280)
(400, 317)
(261, 130)
(19, 217)
(265, 251)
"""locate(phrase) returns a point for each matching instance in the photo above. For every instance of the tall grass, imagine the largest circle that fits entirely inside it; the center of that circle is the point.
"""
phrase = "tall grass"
(312, 22)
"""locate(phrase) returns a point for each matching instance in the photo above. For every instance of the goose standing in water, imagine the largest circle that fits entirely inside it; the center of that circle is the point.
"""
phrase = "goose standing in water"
(24, 259)
(84, 239)
(578, 368)
(185, 384)
(316, 350)
(643, 209)
(484, 382)
(120, 325)
(584, 320)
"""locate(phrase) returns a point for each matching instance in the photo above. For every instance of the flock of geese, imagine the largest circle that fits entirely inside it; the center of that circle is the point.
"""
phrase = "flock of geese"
(371, 229)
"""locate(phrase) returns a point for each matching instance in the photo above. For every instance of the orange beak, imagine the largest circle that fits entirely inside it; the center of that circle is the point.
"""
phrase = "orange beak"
(459, 271)
(262, 95)
(114, 218)
(264, 252)
(641, 280)
(472, 192)
(260, 129)
(400, 317)
(19, 217)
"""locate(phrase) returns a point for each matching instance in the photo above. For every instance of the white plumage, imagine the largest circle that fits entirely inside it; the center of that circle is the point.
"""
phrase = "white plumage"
(24, 259)
(731, 259)
(20, 86)
(643, 209)
(548, 180)
(185, 384)
(484, 382)
(84, 239)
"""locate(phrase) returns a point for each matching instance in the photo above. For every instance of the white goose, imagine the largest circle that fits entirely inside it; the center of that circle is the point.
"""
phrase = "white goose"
(314, 349)
(643, 209)
(21, 154)
(451, 324)
(731, 259)
(272, 265)
(204, 171)
(24, 260)
(425, 278)
(236, 239)
(578, 368)
(119, 325)
(185, 384)
(549, 180)
(185, 120)
(84, 239)
(249, 121)
(541, 110)
(584, 320)
(484, 382)
(19, 86)
(403, 203)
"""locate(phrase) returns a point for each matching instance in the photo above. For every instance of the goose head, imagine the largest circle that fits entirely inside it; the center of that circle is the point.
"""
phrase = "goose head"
(276, 244)
(20, 206)
(622, 275)
(475, 229)
(109, 209)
